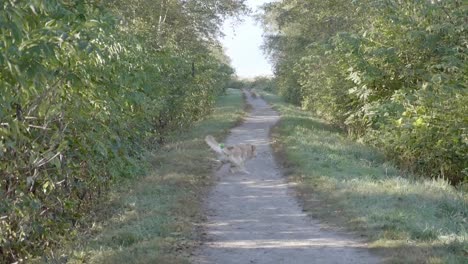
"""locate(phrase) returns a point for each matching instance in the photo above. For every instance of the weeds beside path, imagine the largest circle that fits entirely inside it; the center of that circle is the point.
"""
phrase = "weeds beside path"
(151, 219)
(345, 183)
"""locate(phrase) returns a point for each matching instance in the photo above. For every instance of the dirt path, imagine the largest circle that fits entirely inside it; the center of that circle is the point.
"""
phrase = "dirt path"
(256, 219)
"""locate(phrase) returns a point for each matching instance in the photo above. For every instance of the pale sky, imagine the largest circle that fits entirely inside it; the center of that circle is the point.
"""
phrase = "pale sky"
(242, 43)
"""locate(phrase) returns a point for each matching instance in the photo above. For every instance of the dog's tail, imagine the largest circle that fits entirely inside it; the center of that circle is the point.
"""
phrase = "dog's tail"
(214, 145)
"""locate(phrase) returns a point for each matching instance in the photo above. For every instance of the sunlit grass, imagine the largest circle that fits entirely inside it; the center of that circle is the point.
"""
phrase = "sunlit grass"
(152, 219)
(409, 219)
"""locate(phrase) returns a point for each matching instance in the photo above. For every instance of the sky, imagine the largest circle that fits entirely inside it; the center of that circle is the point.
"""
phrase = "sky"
(242, 44)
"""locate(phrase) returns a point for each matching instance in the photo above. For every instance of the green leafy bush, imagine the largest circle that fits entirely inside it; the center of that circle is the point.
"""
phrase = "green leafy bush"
(262, 84)
(83, 94)
(392, 72)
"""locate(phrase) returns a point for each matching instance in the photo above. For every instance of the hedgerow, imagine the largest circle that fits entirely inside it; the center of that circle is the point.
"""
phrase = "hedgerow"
(391, 72)
(84, 93)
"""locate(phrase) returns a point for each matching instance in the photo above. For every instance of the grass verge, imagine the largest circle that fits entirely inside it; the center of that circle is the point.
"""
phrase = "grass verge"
(345, 183)
(152, 219)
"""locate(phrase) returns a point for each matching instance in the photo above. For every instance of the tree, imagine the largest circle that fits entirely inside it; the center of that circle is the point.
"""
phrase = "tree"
(86, 87)
(391, 71)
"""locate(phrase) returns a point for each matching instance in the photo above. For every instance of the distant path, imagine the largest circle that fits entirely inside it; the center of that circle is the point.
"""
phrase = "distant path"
(255, 218)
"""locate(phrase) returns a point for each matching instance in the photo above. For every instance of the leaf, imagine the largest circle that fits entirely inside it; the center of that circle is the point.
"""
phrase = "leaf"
(419, 122)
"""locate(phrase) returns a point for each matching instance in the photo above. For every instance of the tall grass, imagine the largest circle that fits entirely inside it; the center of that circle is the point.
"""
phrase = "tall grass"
(153, 219)
(408, 219)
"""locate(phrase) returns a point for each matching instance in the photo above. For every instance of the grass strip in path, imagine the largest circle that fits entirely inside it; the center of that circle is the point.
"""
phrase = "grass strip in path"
(345, 183)
(152, 219)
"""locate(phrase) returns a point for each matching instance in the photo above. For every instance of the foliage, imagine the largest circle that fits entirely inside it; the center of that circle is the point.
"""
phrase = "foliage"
(259, 83)
(84, 92)
(262, 84)
(237, 83)
(393, 72)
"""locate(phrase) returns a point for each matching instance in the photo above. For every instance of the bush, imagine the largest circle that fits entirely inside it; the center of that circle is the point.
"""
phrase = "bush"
(81, 100)
(391, 72)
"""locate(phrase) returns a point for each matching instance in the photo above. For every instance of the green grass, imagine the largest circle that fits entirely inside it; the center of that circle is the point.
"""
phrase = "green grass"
(346, 183)
(153, 219)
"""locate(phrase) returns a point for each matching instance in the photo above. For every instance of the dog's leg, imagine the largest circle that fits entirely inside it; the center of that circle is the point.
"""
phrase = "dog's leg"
(233, 169)
(222, 163)
(243, 169)
(238, 168)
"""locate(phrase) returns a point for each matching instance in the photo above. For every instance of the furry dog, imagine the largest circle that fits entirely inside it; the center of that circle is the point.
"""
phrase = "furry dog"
(237, 155)
(254, 93)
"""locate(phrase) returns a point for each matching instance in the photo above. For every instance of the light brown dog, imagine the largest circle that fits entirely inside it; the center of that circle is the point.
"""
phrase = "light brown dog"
(236, 155)
(254, 93)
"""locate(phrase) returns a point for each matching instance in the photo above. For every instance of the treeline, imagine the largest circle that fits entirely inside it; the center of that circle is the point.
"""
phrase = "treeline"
(393, 72)
(86, 87)
(260, 83)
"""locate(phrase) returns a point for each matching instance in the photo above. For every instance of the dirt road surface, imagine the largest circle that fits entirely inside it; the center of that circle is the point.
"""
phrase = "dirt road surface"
(255, 218)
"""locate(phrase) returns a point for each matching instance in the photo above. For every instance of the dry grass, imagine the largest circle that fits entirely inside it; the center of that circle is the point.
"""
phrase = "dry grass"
(347, 184)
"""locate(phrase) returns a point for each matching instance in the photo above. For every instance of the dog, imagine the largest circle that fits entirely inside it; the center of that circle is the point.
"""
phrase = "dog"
(236, 155)
(254, 93)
